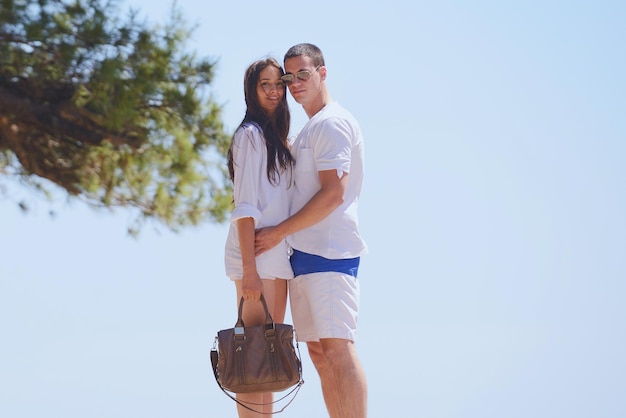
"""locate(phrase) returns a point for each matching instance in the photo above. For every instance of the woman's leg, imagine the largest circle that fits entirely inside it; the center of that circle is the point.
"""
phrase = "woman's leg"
(275, 292)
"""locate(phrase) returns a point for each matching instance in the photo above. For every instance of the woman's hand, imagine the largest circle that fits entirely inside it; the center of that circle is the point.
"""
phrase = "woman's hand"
(252, 286)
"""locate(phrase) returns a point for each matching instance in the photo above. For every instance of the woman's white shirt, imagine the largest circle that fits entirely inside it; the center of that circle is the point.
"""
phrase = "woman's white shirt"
(256, 197)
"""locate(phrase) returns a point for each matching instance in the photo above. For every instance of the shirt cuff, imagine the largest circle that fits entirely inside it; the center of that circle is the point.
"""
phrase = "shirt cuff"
(245, 211)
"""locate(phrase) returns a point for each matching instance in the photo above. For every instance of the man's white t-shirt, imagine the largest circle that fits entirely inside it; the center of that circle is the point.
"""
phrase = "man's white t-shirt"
(331, 140)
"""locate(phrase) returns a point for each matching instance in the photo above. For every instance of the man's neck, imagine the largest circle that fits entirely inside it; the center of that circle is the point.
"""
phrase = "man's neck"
(321, 101)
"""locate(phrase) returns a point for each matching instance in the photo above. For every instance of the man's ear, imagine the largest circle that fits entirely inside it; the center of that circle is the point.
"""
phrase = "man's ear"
(322, 71)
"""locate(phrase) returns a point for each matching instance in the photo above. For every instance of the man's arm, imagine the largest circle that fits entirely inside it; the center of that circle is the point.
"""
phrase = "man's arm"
(326, 200)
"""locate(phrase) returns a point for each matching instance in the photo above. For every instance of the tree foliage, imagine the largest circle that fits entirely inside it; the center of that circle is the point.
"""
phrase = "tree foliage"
(110, 110)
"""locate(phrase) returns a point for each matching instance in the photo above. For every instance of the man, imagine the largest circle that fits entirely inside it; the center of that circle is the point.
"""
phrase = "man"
(323, 232)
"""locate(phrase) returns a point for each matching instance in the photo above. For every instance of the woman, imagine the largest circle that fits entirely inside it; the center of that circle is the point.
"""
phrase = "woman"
(260, 164)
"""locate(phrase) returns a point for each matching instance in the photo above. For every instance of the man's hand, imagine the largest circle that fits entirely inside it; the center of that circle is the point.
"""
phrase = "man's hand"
(266, 239)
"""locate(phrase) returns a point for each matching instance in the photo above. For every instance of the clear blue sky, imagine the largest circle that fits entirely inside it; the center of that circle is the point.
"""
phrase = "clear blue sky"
(493, 207)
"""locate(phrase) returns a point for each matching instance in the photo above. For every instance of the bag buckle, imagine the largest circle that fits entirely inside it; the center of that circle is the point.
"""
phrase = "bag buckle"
(270, 330)
(240, 333)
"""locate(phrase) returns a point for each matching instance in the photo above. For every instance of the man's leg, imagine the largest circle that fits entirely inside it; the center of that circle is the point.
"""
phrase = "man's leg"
(344, 385)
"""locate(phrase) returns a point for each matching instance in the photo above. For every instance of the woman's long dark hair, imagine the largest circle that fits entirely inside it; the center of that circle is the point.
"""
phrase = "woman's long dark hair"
(275, 126)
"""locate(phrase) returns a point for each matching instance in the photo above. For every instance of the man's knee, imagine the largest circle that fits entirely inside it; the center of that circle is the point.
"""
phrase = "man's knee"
(338, 352)
(318, 358)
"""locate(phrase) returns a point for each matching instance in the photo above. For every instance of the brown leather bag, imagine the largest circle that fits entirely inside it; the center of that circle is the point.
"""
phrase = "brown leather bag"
(260, 358)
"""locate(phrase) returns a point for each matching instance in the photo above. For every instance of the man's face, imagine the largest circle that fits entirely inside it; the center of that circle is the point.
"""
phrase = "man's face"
(303, 79)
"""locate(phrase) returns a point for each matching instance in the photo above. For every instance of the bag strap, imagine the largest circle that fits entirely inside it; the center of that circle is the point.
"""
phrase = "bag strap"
(294, 390)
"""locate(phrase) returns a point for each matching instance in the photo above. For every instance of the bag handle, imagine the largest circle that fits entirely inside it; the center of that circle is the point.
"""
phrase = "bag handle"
(268, 317)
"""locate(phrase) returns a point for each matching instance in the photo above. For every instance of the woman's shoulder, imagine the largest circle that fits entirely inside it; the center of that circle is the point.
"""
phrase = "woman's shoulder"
(250, 126)
(248, 132)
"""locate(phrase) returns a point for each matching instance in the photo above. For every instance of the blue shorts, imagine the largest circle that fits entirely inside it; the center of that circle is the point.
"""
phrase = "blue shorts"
(305, 263)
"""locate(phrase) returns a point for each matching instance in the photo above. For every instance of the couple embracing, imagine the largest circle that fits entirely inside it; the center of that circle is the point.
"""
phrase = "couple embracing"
(294, 228)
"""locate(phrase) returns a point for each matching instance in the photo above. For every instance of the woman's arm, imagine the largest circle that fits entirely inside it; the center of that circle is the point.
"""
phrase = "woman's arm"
(251, 282)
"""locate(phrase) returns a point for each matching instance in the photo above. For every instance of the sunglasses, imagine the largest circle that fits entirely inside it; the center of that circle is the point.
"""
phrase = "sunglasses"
(303, 75)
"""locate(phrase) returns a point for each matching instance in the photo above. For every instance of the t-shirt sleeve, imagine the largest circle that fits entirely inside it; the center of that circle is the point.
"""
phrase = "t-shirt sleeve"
(248, 160)
(334, 146)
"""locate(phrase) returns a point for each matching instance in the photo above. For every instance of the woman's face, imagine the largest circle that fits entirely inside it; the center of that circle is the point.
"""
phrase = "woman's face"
(270, 89)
